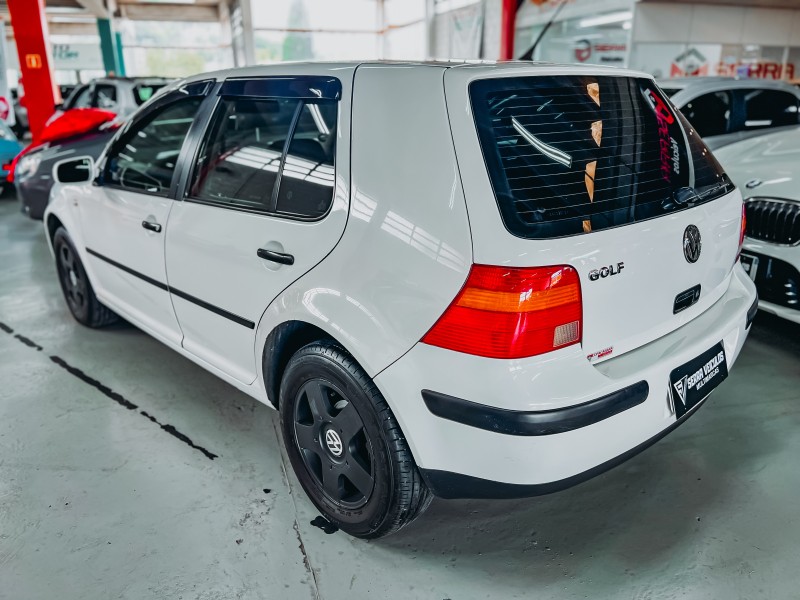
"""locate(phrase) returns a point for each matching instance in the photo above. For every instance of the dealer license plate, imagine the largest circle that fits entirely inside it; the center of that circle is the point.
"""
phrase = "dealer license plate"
(693, 381)
(750, 265)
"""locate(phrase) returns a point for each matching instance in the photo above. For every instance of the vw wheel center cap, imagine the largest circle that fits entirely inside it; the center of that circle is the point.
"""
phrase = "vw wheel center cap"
(334, 442)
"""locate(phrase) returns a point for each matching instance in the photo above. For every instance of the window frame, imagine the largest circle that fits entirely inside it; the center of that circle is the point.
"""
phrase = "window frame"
(272, 87)
(191, 90)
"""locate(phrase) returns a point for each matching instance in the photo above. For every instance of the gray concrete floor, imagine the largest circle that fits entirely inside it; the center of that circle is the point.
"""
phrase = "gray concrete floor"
(98, 501)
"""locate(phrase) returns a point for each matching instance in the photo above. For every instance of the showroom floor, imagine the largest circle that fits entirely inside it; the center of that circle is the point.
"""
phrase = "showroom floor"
(128, 472)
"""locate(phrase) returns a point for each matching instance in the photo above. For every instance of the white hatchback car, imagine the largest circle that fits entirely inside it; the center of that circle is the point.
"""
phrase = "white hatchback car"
(766, 170)
(474, 280)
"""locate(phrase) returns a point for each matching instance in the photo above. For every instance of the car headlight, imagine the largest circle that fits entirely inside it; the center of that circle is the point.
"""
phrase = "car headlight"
(28, 165)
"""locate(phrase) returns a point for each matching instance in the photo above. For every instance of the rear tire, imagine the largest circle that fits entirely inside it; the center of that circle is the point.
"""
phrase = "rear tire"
(345, 445)
(75, 284)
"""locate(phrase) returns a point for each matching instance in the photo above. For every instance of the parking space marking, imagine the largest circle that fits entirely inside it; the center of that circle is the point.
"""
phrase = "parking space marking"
(109, 393)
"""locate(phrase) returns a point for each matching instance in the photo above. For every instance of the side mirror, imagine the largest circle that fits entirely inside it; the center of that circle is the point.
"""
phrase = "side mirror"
(74, 170)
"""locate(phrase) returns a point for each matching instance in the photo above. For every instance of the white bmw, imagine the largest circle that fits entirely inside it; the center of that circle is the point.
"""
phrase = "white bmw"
(765, 168)
(464, 281)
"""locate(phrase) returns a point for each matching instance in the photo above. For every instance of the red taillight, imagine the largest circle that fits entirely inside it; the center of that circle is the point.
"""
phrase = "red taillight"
(742, 231)
(505, 312)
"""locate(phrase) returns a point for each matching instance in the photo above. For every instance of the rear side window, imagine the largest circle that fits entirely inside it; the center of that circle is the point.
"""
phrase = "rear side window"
(769, 108)
(242, 162)
(575, 154)
(710, 113)
(306, 188)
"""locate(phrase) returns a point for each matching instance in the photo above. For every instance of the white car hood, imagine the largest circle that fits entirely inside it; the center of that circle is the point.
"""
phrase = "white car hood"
(766, 165)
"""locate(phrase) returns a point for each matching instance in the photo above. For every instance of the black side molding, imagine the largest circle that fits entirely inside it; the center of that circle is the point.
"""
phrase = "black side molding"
(751, 313)
(163, 286)
(547, 422)
(450, 486)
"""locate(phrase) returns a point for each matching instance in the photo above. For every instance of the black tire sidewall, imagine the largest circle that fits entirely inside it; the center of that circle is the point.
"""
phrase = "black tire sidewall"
(309, 364)
(61, 238)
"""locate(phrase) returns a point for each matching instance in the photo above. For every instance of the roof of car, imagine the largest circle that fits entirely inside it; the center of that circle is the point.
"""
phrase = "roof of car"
(134, 80)
(315, 67)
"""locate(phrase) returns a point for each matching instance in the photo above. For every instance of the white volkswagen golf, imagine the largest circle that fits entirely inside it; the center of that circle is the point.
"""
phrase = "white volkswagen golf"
(470, 280)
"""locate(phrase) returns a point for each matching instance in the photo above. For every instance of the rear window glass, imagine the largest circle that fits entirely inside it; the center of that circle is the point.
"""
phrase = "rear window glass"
(569, 155)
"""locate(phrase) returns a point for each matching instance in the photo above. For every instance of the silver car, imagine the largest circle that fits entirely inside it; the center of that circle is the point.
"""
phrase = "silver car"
(725, 109)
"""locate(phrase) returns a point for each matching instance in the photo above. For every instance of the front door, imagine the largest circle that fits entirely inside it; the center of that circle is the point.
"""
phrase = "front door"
(256, 211)
(125, 216)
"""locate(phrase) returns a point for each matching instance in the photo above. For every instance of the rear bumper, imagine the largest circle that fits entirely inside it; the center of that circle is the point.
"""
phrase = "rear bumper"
(534, 426)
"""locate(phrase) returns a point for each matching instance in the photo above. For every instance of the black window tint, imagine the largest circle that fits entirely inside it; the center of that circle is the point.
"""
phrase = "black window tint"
(306, 187)
(105, 96)
(769, 108)
(569, 155)
(144, 158)
(710, 113)
(240, 158)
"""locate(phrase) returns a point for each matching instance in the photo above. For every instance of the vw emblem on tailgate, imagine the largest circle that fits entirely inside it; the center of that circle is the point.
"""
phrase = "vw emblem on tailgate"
(692, 244)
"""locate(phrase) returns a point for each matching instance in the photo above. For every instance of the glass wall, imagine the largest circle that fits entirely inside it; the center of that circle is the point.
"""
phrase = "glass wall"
(173, 49)
(341, 30)
(601, 38)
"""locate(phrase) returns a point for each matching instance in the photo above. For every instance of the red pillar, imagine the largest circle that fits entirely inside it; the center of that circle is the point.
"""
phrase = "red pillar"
(507, 23)
(35, 61)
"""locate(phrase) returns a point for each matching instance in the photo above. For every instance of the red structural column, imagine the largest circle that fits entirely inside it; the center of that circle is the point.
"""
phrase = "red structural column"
(35, 61)
(507, 22)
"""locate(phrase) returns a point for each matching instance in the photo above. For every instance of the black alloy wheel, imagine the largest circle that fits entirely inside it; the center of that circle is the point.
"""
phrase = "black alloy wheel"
(330, 436)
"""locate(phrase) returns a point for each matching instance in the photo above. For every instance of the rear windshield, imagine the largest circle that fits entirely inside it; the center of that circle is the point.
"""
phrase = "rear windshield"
(570, 155)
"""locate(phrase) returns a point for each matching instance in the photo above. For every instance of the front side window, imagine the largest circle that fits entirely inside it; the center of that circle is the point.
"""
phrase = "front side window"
(575, 154)
(105, 96)
(710, 113)
(769, 108)
(144, 158)
(244, 162)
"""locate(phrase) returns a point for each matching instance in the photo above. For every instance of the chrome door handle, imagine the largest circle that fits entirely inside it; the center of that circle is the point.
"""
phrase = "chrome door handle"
(151, 226)
(278, 257)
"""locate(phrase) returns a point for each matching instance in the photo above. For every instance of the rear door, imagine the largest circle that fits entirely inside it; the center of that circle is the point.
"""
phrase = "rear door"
(599, 172)
(258, 209)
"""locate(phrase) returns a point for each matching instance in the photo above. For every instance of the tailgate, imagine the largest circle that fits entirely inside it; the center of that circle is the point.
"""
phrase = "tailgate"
(595, 169)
